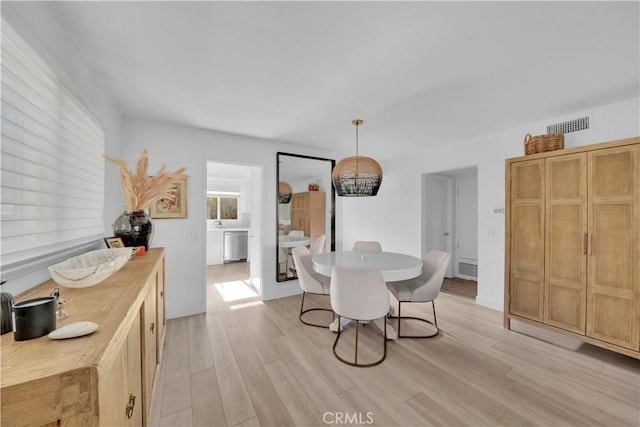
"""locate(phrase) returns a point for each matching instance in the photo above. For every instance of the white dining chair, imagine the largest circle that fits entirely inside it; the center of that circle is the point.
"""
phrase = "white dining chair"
(371, 247)
(283, 257)
(310, 282)
(298, 234)
(317, 247)
(424, 288)
(359, 294)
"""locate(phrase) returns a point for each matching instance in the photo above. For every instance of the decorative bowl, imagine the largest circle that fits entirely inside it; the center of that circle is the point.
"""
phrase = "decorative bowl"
(90, 268)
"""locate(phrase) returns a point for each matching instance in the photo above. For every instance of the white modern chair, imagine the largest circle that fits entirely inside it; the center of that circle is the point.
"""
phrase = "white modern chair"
(310, 282)
(424, 288)
(299, 234)
(317, 247)
(368, 247)
(359, 294)
(283, 257)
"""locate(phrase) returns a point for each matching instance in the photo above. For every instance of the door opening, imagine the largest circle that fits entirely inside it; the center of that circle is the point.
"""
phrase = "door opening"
(234, 222)
(450, 219)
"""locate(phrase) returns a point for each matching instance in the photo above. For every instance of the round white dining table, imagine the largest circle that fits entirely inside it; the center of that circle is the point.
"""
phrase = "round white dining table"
(292, 242)
(394, 266)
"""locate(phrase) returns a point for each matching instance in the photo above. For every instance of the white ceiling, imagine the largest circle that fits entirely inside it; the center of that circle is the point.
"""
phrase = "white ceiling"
(418, 73)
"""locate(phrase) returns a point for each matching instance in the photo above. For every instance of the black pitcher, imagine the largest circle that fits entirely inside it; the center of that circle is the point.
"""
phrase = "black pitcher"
(6, 324)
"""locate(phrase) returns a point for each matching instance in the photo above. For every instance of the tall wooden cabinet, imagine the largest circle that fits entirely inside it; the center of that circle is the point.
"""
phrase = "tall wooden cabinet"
(308, 213)
(106, 378)
(573, 243)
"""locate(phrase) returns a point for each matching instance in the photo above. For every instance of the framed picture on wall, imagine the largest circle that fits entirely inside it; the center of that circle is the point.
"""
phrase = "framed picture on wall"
(173, 206)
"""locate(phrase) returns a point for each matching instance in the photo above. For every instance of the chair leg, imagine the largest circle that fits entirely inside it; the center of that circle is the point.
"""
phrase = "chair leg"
(303, 311)
(399, 317)
(434, 323)
(435, 319)
(355, 363)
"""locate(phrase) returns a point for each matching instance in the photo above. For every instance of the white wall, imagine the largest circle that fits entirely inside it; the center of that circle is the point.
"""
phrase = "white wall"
(41, 27)
(185, 239)
(394, 217)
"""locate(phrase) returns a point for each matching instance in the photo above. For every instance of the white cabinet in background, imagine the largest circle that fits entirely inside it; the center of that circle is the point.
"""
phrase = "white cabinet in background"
(215, 246)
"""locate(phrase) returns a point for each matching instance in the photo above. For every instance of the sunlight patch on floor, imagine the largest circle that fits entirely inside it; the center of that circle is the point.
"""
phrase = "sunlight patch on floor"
(245, 305)
(233, 291)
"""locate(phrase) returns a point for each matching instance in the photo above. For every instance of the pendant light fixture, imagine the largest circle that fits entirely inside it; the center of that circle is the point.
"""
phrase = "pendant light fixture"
(284, 193)
(357, 176)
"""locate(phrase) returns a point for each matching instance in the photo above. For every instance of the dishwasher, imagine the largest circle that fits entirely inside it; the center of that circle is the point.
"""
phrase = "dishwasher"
(235, 246)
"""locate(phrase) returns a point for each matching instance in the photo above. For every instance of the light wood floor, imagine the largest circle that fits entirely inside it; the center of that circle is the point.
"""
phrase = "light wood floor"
(247, 363)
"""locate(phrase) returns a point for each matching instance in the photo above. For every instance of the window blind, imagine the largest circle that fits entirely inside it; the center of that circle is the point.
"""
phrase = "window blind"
(53, 169)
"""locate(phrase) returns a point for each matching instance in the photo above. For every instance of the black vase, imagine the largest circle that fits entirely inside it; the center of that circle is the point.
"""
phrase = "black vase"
(135, 228)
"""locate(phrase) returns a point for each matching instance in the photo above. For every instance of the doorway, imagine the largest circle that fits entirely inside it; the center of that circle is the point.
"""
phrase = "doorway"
(450, 220)
(234, 215)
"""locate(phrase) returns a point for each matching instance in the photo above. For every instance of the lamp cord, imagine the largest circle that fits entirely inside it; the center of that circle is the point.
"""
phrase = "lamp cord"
(356, 140)
(357, 174)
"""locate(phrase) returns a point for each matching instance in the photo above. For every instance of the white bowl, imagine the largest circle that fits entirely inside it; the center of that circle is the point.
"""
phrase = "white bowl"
(91, 268)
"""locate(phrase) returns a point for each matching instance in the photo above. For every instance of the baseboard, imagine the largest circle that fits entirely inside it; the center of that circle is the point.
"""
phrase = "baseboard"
(282, 290)
(489, 303)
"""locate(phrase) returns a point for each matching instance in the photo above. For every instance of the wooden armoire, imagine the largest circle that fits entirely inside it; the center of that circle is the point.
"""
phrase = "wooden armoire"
(572, 255)
(308, 213)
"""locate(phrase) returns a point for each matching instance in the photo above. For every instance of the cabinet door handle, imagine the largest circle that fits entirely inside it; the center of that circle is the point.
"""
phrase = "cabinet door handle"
(130, 406)
(585, 237)
(153, 326)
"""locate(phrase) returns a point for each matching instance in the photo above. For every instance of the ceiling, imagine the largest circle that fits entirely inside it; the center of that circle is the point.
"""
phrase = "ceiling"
(417, 73)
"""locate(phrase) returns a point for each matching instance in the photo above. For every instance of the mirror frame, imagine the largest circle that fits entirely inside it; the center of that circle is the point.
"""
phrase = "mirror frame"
(332, 210)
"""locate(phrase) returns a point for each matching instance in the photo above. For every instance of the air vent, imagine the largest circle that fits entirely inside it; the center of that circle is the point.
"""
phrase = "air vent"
(570, 126)
(467, 269)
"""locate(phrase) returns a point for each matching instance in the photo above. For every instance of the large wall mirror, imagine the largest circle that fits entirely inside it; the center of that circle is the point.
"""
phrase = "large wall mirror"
(306, 201)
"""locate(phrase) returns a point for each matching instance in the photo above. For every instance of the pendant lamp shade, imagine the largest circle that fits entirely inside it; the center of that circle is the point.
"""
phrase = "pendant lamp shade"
(284, 193)
(357, 176)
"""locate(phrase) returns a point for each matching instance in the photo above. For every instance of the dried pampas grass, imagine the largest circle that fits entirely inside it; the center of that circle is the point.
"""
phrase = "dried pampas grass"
(139, 189)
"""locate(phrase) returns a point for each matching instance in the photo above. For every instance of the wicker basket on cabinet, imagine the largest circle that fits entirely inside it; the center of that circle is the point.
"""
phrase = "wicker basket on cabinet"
(543, 143)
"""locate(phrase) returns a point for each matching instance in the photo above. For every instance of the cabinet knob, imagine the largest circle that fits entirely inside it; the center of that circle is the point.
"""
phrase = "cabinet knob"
(131, 405)
(153, 327)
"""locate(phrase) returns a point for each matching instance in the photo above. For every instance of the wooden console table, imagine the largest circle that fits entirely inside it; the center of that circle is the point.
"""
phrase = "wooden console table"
(106, 378)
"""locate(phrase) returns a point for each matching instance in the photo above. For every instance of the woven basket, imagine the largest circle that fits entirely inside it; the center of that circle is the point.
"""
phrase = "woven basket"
(543, 143)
